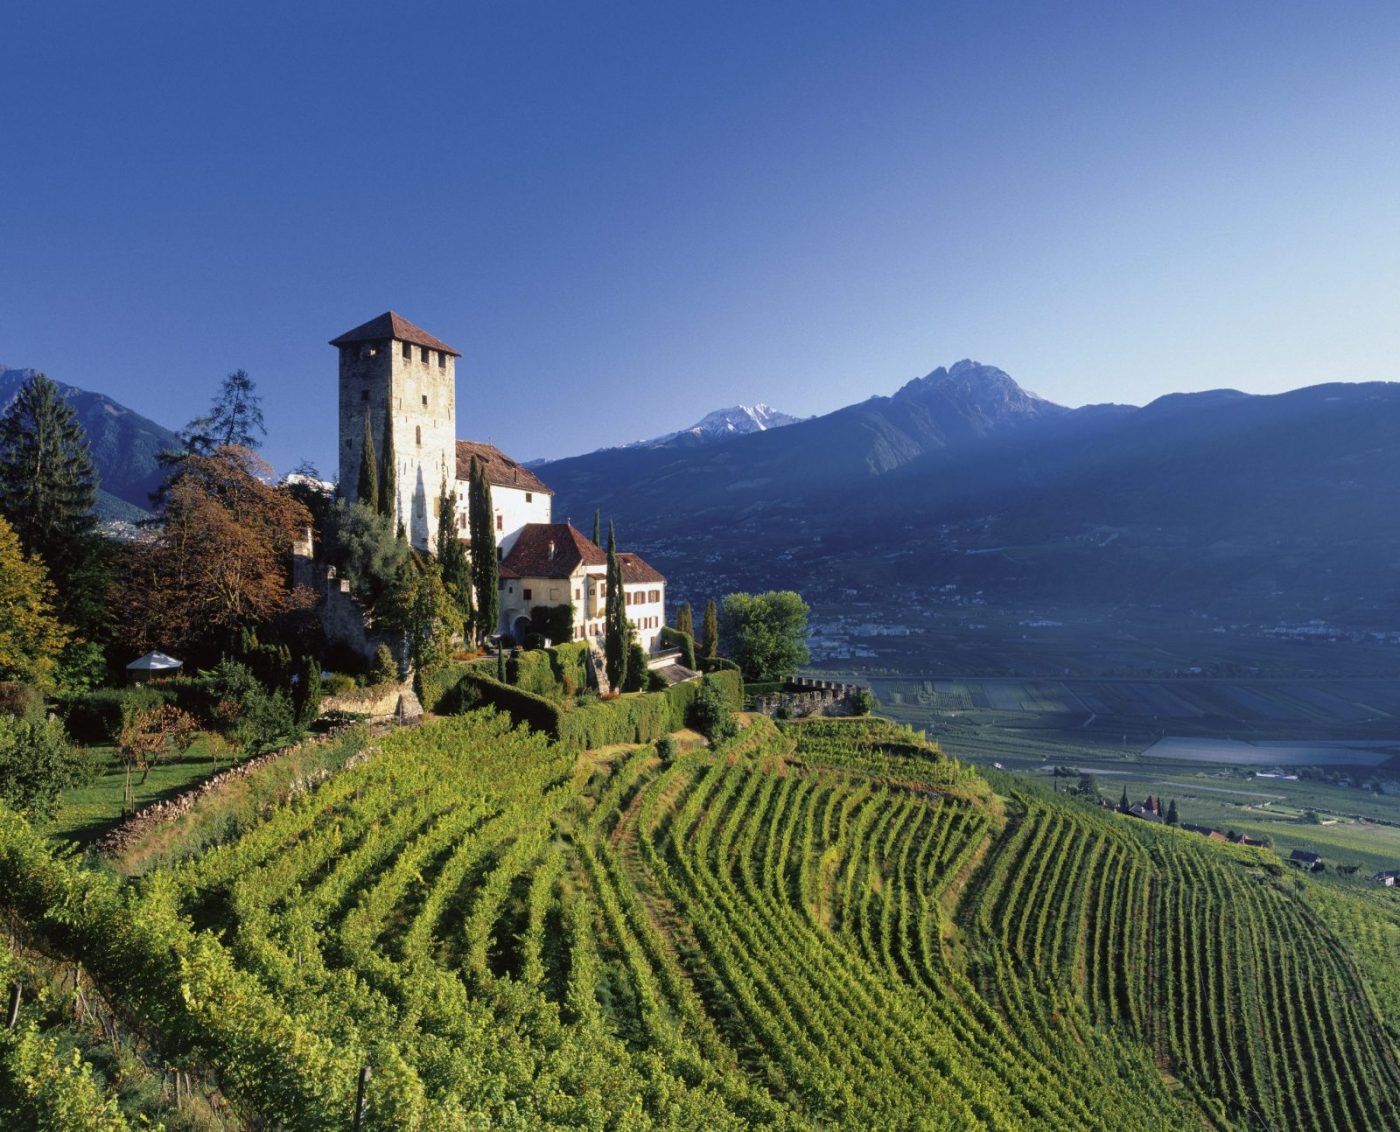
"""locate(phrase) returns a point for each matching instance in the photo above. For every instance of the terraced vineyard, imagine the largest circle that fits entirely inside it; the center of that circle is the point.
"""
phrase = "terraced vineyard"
(823, 926)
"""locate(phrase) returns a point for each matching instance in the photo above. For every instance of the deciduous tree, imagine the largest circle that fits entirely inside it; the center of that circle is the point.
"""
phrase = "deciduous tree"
(31, 636)
(765, 634)
(37, 762)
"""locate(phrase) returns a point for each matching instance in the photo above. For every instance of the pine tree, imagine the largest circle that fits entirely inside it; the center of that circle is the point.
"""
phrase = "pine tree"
(1171, 813)
(615, 617)
(685, 620)
(367, 491)
(709, 646)
(598, 527)
(48, 486)
(1123, 802)
(486, 574)
(388, 482)
(237, 417)
(452, 558)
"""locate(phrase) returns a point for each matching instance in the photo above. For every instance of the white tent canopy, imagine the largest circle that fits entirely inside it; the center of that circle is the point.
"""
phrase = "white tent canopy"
(155, 662)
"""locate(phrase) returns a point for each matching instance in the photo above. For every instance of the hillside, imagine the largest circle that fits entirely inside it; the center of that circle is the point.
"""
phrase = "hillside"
(125, 444)
(1243, 506)
(827, 925)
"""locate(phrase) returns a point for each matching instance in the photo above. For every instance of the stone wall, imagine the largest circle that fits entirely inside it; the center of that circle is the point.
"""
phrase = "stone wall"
(804, 697)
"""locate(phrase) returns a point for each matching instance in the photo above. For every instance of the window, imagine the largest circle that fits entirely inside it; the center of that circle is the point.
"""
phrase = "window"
(424, 355)
(529, 497)
(527, 594)
(655, 595)
(418, 434)
(553, 593)
(425, 400)
(407, 350)
(442, 360)
(461, 522)
(500, 522)
(576, 593)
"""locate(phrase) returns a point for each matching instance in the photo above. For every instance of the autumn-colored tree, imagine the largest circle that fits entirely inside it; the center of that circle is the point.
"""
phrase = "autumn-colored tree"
(220, 562)
(150, 731)
(31, 637)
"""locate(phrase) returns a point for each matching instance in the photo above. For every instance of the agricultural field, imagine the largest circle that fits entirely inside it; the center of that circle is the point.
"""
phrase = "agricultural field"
(827, 924)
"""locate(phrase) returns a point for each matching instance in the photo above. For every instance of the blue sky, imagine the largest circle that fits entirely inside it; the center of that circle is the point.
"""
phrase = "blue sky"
(627, 215)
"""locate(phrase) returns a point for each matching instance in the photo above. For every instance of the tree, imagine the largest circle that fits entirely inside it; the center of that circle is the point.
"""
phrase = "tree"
(37, 762)
(1171, 813)
(150, 731)
(237, 418)
(709, 643)
(31, 637)
(863, 701)
(420, 608)
(452, 561)
(1123, 802)
(389, 482)
(597, 526)
(485, 569)
(220, 562)
(710, 714)
(362, 545)
(48, 486)
(765, 634)
(306, 695)
(685, 620)
(615, 617)
(367, 489)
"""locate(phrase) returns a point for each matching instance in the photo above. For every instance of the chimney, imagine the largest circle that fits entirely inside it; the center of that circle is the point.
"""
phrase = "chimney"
(551, 549)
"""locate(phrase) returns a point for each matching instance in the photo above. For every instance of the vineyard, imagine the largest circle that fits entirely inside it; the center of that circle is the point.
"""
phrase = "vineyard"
(823, 925)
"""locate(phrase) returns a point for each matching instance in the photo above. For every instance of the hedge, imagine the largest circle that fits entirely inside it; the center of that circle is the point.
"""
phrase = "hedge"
(670, 638)
(96, 717)
(637, 718)
(717, 664)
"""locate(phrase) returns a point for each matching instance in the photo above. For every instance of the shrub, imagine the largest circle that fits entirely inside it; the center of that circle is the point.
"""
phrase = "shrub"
(863, 701)
(712, 714)
(717, 664)
(385, 669)
(96, 717)
(554, 622)
(636, 668)
(339, 684)
(666, 748)
(37, 762)
(21, 700)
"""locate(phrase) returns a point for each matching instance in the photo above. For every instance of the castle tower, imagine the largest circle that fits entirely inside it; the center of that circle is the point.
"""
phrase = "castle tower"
(402, 376)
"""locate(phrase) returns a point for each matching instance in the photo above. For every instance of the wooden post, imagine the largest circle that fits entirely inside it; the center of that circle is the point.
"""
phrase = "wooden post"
(16, 991)
(361, 1097)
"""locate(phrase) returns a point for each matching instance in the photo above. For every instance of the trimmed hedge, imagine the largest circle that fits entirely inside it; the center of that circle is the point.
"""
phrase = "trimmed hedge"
(637, 718)
(717, 664)
(96, 717)
(670, 638)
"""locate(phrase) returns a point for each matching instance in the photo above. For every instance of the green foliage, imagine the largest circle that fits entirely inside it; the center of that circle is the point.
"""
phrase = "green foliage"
(863, 701)
(766, 634)
(717, 664)
(388, 477)
(307, 692)
(481, 523)
(681, 639)
(37, 762)
(384, 669)
(636, 667)
(48, 486)
(615, 622)
(367, 490)
(553, 622)
(452, 561)
(22, 701)
(340, 684)
(363, 547)
(234, 420)
(712, 714)
(709, 641)
(685, 623)
(31, 638)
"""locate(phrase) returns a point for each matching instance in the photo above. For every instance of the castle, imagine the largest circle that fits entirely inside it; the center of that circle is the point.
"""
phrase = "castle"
(399, 381)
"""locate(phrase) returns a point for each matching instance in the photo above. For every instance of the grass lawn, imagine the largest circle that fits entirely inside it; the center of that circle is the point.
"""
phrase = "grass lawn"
(86, 813)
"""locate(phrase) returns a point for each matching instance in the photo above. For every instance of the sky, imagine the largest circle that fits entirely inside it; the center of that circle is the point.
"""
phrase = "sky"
(626, 215)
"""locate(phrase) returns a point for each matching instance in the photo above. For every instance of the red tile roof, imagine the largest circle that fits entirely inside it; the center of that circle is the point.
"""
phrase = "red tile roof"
(635, 570)
(501, 470)
(395, 326)
(550, 550)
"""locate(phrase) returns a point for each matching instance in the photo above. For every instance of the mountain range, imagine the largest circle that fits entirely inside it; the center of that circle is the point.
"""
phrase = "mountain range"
(1220, 502)
(722, 424)
(124, 443)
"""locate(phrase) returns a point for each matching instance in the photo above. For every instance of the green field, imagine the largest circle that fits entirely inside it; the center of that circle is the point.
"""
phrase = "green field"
(823, 925)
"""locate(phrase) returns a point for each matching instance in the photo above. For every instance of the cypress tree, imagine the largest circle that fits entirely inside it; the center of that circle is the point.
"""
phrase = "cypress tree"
(598, 527)
(685, 620)
(1171, 813)
(615, 617)
(485, 569)
(388, 483)
(709, 646)
(1123, 802)
(367, 490)
(452, 558)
